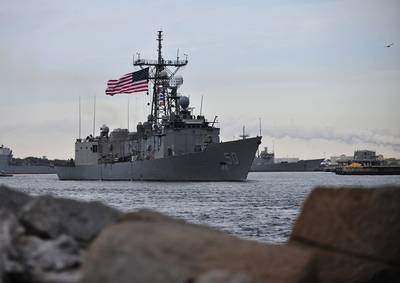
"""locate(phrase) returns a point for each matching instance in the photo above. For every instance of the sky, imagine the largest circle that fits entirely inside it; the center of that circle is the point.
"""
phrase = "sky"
(317, 73)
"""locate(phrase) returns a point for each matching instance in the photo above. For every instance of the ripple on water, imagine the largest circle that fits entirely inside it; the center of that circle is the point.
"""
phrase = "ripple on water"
(263, 208)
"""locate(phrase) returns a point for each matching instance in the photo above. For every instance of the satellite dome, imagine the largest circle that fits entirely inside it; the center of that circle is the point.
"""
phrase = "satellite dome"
(104, 131)
(184, 102)
(163, 74)
(104, 128)
(176, 81)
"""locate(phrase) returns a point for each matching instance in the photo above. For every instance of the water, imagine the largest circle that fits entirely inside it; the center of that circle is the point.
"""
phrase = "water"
(262, 208)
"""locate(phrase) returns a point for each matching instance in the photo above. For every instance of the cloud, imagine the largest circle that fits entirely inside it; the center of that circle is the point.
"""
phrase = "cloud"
(269, 58)
(379, 138)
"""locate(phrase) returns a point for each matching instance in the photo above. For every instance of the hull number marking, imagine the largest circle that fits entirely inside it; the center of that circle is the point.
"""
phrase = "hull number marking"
(231, 158)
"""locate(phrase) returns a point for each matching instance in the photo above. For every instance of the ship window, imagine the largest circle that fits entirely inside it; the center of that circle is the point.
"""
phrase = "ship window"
(94, 148)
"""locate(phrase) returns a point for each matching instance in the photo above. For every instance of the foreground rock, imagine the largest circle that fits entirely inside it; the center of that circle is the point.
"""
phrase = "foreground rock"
(153, 250)
(355, 233)
(12, 200)
(219, 276)
(10, 229)
(57, 255)
(341, 235)
(42, 239)
(51, 217)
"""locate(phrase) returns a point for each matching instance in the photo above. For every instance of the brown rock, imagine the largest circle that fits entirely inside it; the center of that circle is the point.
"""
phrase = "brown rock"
(174, 251)
(337, 267)
(354, 232)
(147, 215)
(219, 276)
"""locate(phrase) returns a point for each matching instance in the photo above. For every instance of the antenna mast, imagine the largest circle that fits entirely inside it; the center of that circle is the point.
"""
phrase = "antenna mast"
(201, 105)
(156, 88)
(259, 124)
(164, 95)
(244, 136)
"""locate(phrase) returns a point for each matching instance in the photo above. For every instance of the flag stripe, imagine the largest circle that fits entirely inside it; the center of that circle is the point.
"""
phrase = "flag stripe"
(129, 83)
(128, 86)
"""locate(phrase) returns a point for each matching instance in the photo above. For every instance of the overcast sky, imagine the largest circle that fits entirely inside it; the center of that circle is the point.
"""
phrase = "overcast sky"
(317, 73)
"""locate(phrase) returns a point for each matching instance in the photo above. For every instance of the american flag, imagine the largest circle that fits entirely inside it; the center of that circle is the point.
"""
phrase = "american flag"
(129, 83)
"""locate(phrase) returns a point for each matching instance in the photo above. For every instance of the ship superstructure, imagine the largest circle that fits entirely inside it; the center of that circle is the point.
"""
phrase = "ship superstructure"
(173, 144)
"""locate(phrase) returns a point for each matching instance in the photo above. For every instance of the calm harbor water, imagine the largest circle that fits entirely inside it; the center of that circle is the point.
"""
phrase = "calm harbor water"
(262, 208)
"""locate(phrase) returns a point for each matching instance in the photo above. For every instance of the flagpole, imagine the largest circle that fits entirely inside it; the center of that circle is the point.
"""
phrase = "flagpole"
(128, 113)
(94, 115)
(201, 105)
(80, 118)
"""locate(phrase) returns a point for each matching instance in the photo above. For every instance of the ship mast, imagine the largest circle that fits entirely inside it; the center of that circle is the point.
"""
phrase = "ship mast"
(164, 95)
(158, 67)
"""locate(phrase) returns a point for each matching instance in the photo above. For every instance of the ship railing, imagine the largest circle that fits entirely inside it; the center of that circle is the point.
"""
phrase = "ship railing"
(145, 62)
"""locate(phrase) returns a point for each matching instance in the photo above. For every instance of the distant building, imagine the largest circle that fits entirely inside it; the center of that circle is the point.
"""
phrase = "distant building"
(367, 157)
(392, 162)
(341, 159)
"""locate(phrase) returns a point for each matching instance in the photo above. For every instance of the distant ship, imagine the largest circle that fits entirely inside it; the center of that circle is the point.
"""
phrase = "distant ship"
(30, 165)
(266, 162)
(172, 145)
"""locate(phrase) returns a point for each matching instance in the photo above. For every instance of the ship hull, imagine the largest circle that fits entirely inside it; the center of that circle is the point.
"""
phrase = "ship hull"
(300, 166)
(27, 169)
(228, 161)
(30, 169)
(373, 170)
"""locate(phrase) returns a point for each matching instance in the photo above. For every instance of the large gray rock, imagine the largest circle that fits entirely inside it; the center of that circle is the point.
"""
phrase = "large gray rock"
(69, 276)
(12, 200)
(149, 249)
(52, 260)
(30, 259)
(353, 232)
(57, 254)
(51, 217)
(10, 230)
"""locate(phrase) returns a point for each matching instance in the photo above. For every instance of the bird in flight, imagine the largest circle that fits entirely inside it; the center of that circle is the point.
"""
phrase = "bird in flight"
(389, 45)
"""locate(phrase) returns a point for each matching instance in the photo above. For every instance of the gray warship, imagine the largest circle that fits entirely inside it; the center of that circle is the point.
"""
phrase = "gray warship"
(172, 145)
(266, 162)
(29, 165)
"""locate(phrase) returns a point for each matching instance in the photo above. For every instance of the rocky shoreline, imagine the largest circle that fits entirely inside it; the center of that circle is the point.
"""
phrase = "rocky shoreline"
(341, 235)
